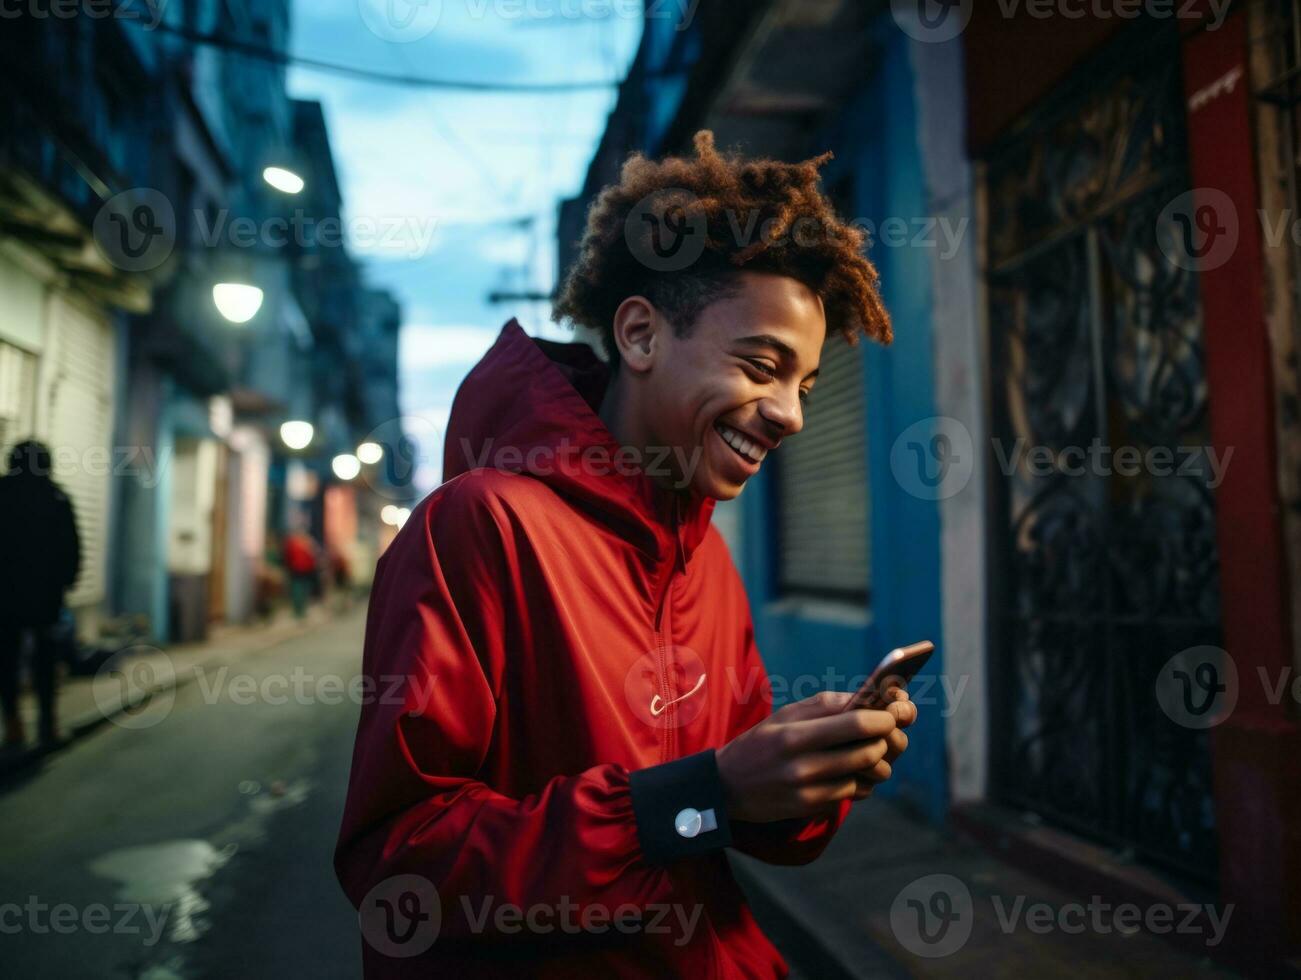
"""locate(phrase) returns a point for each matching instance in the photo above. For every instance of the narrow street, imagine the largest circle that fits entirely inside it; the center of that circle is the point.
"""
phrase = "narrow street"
(198, 846)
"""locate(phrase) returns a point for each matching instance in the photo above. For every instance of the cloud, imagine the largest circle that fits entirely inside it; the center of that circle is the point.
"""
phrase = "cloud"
(424, 346)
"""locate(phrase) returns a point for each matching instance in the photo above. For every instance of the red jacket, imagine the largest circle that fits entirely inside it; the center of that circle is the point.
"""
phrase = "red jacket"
(554, 647)
(300, 555)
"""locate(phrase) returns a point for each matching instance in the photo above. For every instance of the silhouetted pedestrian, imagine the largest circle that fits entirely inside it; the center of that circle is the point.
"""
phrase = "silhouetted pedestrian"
(42, 556)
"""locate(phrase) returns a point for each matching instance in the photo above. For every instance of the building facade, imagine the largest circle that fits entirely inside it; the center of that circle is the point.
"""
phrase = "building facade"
(132, 157)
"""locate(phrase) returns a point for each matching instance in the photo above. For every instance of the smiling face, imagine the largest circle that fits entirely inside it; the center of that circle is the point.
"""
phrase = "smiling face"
(732, 388)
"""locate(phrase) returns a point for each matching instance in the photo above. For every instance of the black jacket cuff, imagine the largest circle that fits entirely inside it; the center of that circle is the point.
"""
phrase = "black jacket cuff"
(679, 808)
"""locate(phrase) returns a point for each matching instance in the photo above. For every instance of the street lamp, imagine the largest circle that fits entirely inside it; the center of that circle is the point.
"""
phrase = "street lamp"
(283, 180)
(346, 466)
(394, 515)
(296, 434)
(238, 302)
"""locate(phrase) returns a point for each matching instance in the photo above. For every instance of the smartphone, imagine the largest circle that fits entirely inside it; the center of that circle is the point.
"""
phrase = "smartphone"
(896, 669)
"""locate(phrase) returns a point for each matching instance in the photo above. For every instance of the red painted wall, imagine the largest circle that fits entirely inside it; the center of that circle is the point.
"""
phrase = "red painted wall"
(1255, 750)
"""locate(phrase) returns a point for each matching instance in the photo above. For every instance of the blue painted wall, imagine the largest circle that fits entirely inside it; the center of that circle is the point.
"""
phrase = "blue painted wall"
(142, 500)
(876, 137)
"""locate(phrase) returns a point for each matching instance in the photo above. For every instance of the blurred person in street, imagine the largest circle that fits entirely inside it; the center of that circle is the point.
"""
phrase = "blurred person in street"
(341, 577)
(302, 564)
(584, 722)
(270, 583)
(42, 556)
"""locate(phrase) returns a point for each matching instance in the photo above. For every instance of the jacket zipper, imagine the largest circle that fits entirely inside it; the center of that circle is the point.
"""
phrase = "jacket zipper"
(669, 745)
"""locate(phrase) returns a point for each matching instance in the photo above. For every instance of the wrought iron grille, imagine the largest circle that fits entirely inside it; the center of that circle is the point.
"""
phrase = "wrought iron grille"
(1100, 576)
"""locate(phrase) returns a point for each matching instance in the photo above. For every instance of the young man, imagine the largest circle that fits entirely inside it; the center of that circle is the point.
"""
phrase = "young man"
(569, 720)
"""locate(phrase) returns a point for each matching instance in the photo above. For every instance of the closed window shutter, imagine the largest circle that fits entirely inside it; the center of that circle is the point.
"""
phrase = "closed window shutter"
(822, 486)
(80, 413)
(17, 387)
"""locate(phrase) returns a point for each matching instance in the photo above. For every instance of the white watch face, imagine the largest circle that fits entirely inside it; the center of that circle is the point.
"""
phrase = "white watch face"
(688, 822)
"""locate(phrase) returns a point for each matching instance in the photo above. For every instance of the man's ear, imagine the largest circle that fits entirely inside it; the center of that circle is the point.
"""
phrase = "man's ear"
(638, 330)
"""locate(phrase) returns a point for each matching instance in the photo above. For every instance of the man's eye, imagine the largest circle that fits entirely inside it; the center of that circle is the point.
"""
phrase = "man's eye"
(762, 366)
(805, 395)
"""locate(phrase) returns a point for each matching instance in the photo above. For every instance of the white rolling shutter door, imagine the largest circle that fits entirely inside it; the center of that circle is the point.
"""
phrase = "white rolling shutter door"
(17, 389)
(78, 427)
(823, 487)
(22, 305)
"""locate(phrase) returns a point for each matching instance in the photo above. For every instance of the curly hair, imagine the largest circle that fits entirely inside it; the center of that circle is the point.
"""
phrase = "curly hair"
(745, 214)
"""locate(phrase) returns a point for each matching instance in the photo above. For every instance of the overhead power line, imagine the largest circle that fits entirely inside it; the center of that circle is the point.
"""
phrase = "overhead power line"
(276, 57)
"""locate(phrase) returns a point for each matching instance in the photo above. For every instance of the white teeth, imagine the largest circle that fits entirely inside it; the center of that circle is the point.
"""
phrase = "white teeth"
(750, 450)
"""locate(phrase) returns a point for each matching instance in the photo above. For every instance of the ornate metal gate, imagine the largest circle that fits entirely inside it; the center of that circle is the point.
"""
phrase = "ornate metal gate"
(1101, 573)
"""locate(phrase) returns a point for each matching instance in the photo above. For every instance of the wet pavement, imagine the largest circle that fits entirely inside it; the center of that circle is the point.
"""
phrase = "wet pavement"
(192, 838)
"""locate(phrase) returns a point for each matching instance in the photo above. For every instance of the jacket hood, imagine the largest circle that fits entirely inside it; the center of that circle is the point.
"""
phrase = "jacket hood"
(530, 406)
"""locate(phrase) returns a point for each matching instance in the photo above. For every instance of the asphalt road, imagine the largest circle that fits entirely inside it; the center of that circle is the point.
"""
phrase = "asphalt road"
(197, 843)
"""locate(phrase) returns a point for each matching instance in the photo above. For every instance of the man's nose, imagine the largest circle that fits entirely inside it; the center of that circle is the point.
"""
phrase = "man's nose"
(783, 413)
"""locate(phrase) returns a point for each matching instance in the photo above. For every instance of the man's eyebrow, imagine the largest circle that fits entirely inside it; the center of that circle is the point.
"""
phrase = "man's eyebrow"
(780, 346)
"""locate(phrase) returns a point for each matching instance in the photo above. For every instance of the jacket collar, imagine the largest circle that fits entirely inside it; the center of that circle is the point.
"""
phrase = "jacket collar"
(530, 406)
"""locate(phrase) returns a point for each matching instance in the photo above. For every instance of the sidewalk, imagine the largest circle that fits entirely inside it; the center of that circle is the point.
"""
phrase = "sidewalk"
(844, 915)
(86, 703)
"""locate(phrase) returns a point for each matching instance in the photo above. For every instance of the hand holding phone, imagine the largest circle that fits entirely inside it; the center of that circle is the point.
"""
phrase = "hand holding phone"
(896, 669)
(807, 756)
